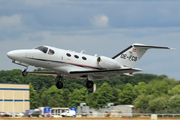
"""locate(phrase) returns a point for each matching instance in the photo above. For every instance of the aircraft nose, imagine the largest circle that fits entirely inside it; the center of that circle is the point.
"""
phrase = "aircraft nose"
(11, 54)
(15, 54)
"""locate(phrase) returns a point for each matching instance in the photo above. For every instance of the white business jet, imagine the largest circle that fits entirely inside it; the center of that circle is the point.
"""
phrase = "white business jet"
(69, 64)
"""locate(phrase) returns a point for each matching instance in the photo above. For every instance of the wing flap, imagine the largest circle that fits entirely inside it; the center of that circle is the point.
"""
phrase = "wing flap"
(45, 73)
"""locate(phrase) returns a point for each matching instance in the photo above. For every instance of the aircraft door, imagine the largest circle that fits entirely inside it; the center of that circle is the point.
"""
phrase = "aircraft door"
(60, 56)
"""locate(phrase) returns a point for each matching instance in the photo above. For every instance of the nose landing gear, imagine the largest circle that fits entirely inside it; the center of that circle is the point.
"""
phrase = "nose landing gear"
(25, 73)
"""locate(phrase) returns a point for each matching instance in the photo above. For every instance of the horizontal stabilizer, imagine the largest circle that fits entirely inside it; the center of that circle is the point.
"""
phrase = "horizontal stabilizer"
(150, 47)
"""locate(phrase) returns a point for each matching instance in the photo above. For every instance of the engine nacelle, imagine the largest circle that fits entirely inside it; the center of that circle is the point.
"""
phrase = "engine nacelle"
(107, 63)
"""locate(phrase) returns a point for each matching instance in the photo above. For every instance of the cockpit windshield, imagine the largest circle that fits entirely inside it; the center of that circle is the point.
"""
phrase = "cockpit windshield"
(43, 49)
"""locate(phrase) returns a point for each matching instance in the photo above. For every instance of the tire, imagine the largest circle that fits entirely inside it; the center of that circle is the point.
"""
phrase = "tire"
(24, 73)
(89, 84)
(59, 85)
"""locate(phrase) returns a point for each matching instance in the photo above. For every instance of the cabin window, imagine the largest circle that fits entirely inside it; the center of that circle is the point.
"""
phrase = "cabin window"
(76, 56)
(51, 52)
(42, 48)
(84, 58)
(69, 55)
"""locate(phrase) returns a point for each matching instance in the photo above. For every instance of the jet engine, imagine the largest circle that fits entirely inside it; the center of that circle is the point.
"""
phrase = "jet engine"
(107, 63)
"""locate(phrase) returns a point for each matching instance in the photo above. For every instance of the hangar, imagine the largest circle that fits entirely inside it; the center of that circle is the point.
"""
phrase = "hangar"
(14, 97)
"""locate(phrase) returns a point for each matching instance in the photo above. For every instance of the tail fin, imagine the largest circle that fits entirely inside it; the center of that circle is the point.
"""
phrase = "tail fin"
(131, 55)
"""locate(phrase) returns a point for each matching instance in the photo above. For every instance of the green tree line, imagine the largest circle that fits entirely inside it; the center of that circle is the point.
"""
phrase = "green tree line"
(142, 90)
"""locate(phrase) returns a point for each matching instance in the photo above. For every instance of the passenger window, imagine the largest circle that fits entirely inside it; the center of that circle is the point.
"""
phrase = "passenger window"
(76, 56)
(69, 55)
(51, 52)
(84, 58)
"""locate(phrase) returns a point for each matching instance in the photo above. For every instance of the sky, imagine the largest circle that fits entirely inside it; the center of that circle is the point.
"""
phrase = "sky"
(102, 27)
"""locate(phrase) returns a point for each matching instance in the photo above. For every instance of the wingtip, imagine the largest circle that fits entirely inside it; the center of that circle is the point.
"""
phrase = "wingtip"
(138, 69)
(172, 48)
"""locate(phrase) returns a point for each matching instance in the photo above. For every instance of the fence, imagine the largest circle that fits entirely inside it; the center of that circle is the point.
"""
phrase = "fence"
(136, 113)
(131, 115)
(162, 111)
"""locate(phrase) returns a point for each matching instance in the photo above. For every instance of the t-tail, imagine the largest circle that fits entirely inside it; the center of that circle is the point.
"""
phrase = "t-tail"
(131, 55)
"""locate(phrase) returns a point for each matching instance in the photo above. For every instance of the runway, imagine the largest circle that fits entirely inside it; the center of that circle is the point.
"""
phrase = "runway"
(88, 118)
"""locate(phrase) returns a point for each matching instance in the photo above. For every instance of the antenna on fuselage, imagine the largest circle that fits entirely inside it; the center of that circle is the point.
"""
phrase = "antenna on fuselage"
(82, 51)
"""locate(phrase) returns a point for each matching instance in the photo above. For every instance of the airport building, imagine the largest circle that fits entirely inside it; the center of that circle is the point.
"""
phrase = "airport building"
(14, 97)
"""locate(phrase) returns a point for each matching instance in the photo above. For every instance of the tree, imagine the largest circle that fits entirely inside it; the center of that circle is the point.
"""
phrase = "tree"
(53, 97)
(157, 104)
(175, 90)
(56, 101)
(78, 96)
(174, 102)
(115, 94)
(147, 87)
(157, 87)
(128, 95)
(141, 88)
(33, 97)
(40, 100)
(65, 95)
(142, 101)
(102, 96)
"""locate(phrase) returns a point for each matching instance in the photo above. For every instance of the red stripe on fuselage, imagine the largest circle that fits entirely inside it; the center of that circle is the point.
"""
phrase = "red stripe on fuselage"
(85, 65)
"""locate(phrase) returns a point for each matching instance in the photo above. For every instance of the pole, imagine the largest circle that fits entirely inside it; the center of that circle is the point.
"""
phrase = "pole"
(165, 110)
(23, 101)
(13, 101)
(94, 88)
(3, 101)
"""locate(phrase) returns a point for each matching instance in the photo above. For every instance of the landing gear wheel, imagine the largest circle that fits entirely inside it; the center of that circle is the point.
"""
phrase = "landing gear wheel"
(89, 84)
(24, 73)
(59, 85)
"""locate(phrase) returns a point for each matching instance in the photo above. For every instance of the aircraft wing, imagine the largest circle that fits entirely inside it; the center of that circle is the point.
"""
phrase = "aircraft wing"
(122, 70)
(97, 74)
(106, 74)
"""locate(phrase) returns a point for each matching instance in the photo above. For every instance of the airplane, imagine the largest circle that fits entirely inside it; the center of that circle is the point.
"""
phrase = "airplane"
(69, 64)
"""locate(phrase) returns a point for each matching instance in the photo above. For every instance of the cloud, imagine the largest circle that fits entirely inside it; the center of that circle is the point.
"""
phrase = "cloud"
(11, 27)
(100, 21)
(106, 42)
(63, 15)
(11, 22)
(68, 24)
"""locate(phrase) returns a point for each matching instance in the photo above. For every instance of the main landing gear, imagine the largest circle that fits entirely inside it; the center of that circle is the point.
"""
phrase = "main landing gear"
(59, 84)
(89, 84)
(58, 81)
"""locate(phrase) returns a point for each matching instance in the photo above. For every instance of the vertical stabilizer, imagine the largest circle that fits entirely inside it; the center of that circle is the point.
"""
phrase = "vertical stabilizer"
(131, 55)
